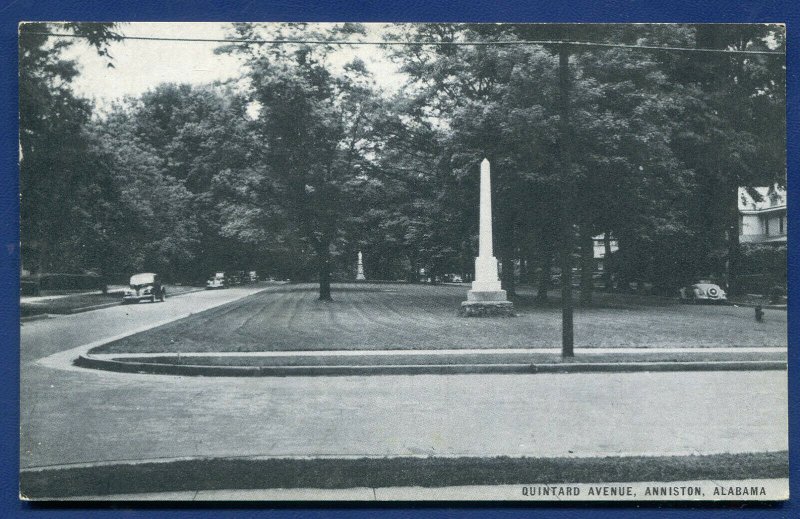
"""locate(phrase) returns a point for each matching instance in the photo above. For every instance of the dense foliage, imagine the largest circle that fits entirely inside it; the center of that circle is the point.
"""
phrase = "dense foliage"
(303, 162)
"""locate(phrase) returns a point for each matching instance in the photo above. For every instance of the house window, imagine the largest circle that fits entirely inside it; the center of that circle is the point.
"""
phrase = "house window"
(766, 226)
(780, 225)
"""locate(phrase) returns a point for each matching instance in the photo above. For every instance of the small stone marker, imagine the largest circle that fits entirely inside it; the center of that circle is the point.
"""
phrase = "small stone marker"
(360, 272)
(486, 299)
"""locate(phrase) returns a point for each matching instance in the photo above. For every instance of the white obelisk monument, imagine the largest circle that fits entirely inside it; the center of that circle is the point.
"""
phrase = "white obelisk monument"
(486, 297)
(360, 271)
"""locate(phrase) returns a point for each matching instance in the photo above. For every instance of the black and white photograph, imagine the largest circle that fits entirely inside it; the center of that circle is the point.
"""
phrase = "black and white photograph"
(282, 262)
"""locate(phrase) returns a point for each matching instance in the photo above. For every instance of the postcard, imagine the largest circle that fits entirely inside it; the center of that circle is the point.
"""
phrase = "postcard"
(403, 262)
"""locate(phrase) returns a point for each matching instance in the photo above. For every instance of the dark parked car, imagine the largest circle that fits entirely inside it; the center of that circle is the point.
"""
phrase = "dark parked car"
(144, 287)
(238, 277)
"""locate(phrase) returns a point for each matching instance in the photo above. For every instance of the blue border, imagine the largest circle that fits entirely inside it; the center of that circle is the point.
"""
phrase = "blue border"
(12, 11)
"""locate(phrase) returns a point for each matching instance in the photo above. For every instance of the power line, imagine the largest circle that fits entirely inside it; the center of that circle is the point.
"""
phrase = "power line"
(429, 43)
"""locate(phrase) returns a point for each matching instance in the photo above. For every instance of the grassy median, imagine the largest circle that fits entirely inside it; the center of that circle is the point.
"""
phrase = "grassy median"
(219, 474)
(411, 317)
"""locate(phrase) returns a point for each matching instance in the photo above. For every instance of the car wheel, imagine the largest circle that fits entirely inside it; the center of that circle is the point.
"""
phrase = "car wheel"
(153, 298)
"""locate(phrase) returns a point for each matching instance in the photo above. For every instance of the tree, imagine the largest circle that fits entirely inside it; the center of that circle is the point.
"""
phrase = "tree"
(740, 136)
(502, 102)
(466, 91)
(65, 193)
(206, 144)
(155, 228)
(316, 124)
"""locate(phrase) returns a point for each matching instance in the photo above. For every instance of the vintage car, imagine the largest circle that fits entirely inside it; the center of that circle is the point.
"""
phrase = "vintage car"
(452, 278)
(703, 292)
(144, 287)
(216, 281)
(236, 278)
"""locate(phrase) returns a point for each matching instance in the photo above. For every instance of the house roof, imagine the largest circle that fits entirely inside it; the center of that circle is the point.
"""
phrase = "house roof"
(771, 197)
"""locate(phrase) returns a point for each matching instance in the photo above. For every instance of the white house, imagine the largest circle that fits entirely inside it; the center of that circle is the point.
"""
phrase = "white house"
(600, 250)
(762, 221)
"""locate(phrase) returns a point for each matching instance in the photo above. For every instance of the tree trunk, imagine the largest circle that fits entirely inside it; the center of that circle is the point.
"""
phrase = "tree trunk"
(544, 275)
(587, 264)
(412, 274)
(508, 281)
(523, 271)
(607, 261)
(733, 246)
(324, 259)
(42, 259)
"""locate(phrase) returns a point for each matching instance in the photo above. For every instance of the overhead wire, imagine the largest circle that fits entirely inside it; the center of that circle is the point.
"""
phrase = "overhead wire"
(248, 41)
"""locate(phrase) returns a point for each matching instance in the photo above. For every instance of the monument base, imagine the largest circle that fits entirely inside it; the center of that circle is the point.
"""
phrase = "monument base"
(486, 309)
(486, 295)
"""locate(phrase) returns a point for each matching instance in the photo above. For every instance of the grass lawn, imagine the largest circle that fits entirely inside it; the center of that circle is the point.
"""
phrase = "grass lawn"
(399, 316)
(216, 474)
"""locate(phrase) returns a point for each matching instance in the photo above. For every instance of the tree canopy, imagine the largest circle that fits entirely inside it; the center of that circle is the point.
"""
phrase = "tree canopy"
(303, 161)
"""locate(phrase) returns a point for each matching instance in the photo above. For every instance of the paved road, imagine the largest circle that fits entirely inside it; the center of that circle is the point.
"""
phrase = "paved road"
(85, 416)
(47, 336)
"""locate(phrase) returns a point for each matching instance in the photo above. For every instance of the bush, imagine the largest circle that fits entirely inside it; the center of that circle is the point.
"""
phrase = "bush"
(34, 285)
(763, 270)
(763, 259)
(777, 294)
(29, 287)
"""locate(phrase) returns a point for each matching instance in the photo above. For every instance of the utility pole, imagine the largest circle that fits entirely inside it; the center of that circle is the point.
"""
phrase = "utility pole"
(567, 349)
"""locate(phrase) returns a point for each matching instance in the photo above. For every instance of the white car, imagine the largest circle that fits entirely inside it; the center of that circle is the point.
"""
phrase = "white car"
(703, 292)
(216, 281)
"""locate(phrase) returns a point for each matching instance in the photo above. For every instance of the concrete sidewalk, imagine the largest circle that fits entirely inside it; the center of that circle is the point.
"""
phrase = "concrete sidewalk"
(777, 488)
(39, 299)
(110, 289)
(62, 305)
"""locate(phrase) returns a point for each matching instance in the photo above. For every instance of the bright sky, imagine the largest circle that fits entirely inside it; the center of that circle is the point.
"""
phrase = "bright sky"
(141, 65)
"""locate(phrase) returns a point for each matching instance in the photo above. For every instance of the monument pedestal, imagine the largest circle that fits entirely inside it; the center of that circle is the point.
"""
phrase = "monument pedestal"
(486, 299)
(486, 309)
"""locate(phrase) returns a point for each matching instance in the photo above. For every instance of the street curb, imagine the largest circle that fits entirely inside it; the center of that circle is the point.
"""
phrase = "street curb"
(93, 307)
(88, 361)
(117, 303)
(36, 317)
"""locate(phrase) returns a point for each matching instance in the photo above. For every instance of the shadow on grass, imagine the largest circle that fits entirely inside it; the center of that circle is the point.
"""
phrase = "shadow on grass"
(600, 300)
